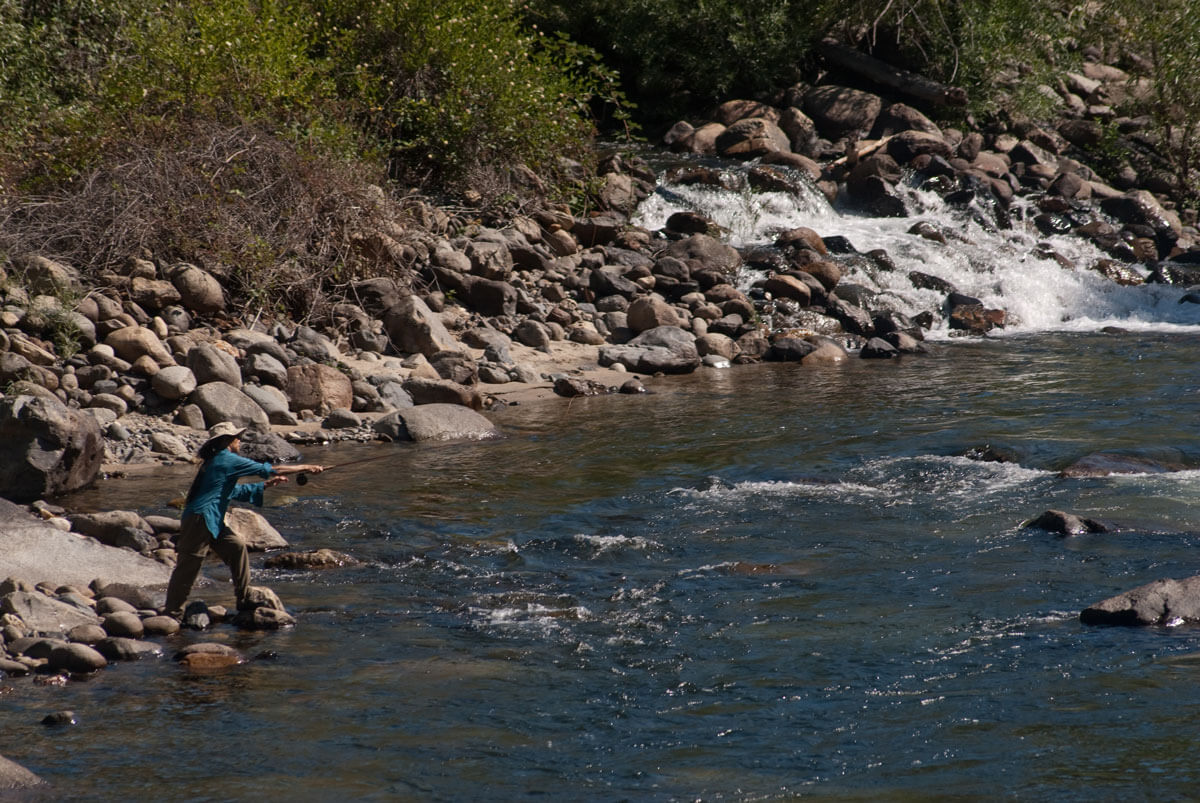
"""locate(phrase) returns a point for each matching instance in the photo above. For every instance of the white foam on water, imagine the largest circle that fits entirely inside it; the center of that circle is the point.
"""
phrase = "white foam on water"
(1001, 268)
(535, 617)
(614, 543)
(888, 480)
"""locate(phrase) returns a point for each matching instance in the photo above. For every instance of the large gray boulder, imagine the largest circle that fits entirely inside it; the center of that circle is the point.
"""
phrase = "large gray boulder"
(709, 251)
(416, 329)
(45, 615)
(1159, 603)
(254, 529)
(174, 382)
(436, 422)
(273, 401)
(119, 528)
(46, 448)
(318, 387)
(665, 348)
(839, 110)
(223, 402)
(212, 364)
(751, 137)
(425, 391)
(76, 658)
(132, 342)
(199, 290)
(33, 549)
(13, 777)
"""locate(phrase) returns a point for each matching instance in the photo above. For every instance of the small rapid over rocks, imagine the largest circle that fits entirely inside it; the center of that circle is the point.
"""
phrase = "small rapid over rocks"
(915, 264)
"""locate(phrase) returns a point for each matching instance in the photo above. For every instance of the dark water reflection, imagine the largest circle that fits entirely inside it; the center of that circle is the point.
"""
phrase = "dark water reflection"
(753, 584)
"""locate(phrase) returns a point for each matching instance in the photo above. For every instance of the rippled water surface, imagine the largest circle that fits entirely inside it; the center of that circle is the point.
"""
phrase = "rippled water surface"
(753, 584)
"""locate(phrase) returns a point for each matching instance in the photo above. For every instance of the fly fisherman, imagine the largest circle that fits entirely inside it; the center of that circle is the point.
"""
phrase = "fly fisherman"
(203, 524)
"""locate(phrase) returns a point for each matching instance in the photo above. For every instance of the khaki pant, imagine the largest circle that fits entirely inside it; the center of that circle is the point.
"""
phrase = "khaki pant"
(191, 546)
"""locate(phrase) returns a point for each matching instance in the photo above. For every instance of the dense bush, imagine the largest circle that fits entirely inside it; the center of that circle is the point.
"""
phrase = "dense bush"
(1159, 41)
(460, 89)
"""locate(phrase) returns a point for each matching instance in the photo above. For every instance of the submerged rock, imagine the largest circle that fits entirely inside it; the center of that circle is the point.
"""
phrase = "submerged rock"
(208, 656)
(317, 559)
(1058, 521)
(1103, 464)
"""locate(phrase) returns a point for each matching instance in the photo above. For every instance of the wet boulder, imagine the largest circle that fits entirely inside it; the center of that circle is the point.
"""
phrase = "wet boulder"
(878, 349)
(1063, 523)
(254, 530)
(436, 422)
(1162, 602)
(787, 286)
(790, 349)
(46, 448)
(120, 648)
(316, 559)
(752, 137)
(710, 252)
(43, 614)
(78, 658)
(665, 348)
(14, 777)
(208, 656)
(968, 314)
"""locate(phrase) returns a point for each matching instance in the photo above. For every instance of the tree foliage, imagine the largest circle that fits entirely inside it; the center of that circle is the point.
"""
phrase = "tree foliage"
(1160, 44)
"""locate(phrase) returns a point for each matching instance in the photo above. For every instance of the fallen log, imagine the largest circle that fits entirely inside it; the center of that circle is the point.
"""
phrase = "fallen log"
(884, 74)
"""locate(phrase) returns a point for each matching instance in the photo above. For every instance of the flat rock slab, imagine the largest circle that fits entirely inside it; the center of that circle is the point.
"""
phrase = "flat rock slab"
(43, 614)
(35, 551)
(1159, 603)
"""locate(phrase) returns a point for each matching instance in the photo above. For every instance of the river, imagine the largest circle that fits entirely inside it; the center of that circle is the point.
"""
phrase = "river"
(755, 583)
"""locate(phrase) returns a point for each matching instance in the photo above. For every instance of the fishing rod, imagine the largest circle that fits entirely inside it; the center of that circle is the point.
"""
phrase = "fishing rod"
(302, 477)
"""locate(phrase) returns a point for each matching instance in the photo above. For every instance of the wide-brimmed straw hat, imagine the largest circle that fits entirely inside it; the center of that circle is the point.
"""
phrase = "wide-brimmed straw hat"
(225, 431)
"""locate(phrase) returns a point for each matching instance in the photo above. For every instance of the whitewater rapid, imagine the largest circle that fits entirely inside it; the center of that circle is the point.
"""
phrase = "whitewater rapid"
(1004, 268)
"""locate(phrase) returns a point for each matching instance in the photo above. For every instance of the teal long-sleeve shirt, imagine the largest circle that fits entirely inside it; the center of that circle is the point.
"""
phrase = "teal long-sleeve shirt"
(217, 485)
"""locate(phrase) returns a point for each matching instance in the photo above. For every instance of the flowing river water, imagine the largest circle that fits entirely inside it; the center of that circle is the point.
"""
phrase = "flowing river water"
(753, 584)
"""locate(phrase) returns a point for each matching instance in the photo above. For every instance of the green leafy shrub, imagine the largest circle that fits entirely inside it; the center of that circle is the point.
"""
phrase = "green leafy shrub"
(223, 59)
(1160, 41)
(461, 89)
